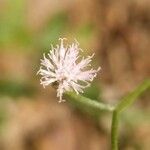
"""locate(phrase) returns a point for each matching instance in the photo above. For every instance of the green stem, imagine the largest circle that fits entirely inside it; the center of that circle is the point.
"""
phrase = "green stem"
(124, 104)
(128, 100)
(88, 102)
(114, 130)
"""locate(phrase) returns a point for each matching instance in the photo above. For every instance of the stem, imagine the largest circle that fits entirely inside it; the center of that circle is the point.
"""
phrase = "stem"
(128, 100)
(114, 130)
(88, 102)
(124, 104)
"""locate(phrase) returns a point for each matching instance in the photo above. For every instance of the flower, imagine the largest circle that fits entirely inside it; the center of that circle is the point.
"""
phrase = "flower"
(67, 69)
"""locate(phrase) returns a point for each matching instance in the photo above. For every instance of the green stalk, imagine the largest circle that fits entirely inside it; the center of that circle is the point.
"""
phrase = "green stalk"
(124, 104)
(114, 130)
(88, 102)
(128, 100)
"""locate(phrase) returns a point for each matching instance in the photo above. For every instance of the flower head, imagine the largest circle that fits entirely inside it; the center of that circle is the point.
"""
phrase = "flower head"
(65, 67)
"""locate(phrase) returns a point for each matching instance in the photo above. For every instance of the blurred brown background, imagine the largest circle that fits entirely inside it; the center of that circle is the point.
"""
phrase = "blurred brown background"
(118, 31)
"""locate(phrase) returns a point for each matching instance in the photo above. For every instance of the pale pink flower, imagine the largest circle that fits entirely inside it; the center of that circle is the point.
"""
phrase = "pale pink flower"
(65, 67)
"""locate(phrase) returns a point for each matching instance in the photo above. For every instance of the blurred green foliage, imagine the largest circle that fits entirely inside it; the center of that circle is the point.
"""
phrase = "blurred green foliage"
(13, 29)
(12, 25)
(85, 30)
(53, 30)
(16, 88)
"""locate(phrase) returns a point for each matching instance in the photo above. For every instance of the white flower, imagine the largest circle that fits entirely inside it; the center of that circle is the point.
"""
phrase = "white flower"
(67, 69)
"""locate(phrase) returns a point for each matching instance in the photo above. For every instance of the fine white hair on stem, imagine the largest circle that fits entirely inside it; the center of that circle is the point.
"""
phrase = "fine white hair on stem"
(64, 67)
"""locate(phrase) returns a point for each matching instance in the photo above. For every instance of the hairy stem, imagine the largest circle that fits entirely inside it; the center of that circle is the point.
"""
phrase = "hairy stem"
(88, 102)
